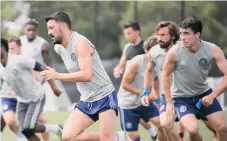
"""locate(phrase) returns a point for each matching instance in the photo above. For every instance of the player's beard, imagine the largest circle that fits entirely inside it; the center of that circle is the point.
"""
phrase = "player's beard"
(165, 44)
(56, 40)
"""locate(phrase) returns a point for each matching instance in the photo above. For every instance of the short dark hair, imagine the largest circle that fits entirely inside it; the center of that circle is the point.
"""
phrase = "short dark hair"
(32, 22)
(173, 29)
(61, 17)
(150, 42)
(4, 44)
(193, 23)
(16, 40)
(133, 24)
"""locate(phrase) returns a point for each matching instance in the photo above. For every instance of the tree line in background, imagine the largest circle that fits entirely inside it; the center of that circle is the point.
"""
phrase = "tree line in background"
(102, 21)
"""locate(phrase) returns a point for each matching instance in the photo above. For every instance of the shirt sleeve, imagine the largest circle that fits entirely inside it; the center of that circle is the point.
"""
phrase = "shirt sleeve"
(27, 62)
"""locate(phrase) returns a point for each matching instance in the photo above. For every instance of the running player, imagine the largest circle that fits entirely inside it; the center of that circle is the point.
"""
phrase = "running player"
(189, 61)
(38, 48)
(167, 35)
(131, 108)
(134, 47)
(17, 72)
(98, 99)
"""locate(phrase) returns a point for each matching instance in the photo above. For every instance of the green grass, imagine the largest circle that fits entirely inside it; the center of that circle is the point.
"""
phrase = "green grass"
(60, 117)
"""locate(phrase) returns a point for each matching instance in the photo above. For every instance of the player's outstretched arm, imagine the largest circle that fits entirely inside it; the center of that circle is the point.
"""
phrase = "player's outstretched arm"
(118, 70)
(128, 77)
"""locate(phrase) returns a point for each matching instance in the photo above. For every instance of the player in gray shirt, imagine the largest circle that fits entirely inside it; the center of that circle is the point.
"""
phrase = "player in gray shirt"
(130, 106)
(189, 62)
(98, 99)
(17, 72)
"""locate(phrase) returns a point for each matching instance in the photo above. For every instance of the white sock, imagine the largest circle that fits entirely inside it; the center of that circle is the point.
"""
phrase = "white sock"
(152, 132)
(20, 135)
(0, 136)
(51, 127)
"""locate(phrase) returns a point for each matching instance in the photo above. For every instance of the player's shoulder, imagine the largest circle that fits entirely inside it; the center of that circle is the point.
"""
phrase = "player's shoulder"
(155, 50)
(41, 39)
(22, 38)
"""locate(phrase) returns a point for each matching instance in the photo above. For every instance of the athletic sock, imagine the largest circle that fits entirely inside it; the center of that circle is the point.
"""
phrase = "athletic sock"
(51, 127)
(152, 132)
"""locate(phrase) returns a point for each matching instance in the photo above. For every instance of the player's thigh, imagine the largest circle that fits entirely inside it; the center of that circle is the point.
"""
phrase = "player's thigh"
(76, 123)
(33, 112)
(21, 113)
(9, 117)
(216, 120)
(107, 122)
(190, 123)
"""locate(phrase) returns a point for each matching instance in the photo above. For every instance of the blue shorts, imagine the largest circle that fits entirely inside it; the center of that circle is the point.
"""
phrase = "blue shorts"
(92, 109)
(130, 117)
(9, 104)
(186, 105)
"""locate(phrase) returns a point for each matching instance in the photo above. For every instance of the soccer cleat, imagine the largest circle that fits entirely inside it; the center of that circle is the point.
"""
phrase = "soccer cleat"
(121, 136)
(154, 138)
(59, 132)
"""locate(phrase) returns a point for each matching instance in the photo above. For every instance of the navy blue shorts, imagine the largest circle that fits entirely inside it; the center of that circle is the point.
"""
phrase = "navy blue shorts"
(130, 117)
(9, 104)
(187, 105)
(92, 109)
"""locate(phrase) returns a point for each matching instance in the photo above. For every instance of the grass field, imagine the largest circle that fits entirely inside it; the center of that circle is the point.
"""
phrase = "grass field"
(60, 117)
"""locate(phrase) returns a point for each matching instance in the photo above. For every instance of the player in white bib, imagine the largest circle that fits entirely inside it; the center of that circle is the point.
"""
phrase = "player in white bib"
(189, 62)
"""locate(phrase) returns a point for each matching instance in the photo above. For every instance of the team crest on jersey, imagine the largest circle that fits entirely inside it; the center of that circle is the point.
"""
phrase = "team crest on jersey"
(129, 125)
(73, 57)
(203, 62)
(15, 72)
(182, 108)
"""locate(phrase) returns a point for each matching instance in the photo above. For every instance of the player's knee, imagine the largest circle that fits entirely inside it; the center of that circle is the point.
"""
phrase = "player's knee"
(11, 122)
(192, 130)
(69, 137)
(28, 132)
(134, 136)
(222, 128)
(106, 136)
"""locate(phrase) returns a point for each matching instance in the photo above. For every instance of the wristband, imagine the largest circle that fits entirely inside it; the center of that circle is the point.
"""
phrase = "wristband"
(146, 92)
(157, 101)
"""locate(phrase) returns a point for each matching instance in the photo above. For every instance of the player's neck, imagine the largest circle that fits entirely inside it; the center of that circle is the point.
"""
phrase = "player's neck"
(137, 41)
(5, 60)
(169, 47)
(195, 47)
(66, 38)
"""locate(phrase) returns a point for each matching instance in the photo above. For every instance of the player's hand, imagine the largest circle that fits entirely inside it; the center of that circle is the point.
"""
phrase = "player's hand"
(57, 91)
(49, 74)
(118, 71)
(208, 100)
(170, 113)
(145, 101)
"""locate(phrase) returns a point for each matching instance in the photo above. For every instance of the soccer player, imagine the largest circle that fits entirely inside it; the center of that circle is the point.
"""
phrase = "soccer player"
(189, 61)
(167, 35)
(38, 48)
(98, 99)
(131, 49)
(17, 72)
(131, 108)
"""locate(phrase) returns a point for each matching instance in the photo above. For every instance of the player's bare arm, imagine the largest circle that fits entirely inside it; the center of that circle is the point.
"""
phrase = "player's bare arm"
(148, 81)
(47, 60)
(218, 56)
(45, 54)
(168, 68)
(129, 75)
(118, 70)
(84, 51)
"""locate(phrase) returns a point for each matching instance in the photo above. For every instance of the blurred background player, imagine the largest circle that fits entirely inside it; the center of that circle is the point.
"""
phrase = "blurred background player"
(130, 106)
(134, 47)
(38, 48)
(17, 72)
